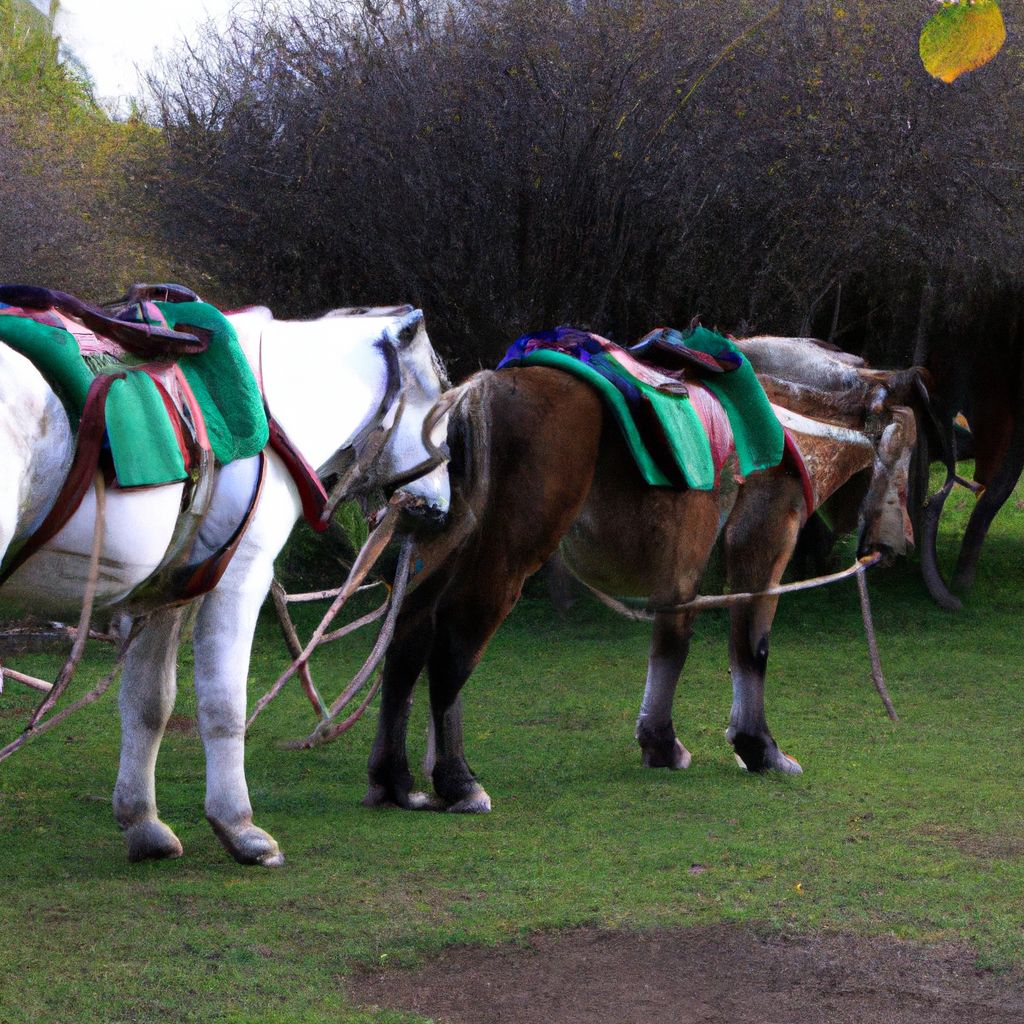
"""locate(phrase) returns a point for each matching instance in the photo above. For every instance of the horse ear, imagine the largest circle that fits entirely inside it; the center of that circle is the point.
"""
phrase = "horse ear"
(407, 328)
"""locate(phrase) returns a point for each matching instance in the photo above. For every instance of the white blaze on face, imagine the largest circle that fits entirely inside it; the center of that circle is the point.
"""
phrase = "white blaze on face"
(421, 388)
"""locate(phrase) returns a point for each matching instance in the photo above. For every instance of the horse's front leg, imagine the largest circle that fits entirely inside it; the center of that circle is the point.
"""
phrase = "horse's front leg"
(670, 644)
(760, 539)
(391, 781)
(468, 617)
(147, 696)
(223, 643)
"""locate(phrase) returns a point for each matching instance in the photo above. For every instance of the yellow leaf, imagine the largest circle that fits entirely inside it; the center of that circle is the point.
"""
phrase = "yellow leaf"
(961, 36)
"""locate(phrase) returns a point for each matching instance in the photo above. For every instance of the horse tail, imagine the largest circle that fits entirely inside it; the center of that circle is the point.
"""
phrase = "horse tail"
(467, 407)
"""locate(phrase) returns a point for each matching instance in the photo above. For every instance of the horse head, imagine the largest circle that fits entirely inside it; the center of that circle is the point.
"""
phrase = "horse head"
(884, 522)
(355, 392)
(414, 459)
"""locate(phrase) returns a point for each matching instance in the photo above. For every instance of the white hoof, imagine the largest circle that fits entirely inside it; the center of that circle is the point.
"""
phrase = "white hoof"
(477, 802)
(249, 845)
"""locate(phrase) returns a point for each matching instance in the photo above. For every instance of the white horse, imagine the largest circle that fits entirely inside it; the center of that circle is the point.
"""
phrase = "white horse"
(325, 381)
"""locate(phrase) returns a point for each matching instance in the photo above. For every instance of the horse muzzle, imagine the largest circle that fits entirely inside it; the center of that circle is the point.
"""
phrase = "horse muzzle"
(421, 516)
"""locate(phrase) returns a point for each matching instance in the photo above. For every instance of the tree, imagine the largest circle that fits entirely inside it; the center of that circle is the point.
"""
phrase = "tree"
(511, 164)
(74, 194)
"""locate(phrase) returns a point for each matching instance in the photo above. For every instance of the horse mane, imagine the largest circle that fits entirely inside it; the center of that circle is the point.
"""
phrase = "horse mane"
(440, 369)
(397, 310)
(817, 379)
(843, 407)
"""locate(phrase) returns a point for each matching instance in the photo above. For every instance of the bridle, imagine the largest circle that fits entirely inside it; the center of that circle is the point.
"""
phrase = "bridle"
(351, 463)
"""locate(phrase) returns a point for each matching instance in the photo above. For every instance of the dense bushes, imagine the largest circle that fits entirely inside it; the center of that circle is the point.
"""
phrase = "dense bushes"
(516, 163)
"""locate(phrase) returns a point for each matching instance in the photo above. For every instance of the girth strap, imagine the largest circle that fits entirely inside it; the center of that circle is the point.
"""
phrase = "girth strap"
(177, 583)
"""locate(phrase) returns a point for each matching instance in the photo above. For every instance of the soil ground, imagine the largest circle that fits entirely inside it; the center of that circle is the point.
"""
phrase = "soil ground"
(700, 976)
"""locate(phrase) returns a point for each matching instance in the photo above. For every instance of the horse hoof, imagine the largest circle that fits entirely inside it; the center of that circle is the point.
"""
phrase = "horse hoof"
(772, 759)
(782, 762)
(476, 802)
(677, 757)
(250, 845)
(151, 840)
(381, 796)
(419, 801)
(378, 796)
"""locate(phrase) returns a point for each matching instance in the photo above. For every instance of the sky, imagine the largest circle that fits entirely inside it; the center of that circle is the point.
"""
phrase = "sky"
(113, 37)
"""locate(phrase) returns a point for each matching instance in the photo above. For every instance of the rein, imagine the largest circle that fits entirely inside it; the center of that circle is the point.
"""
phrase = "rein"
(702, 602)
(374, 437)
(356, 458)
(329, 727)
(43, 719)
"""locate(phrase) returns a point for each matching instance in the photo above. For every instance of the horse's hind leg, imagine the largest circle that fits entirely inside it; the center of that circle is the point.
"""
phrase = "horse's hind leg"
(467, 618)
(453, 654)
(670, 643)
(146, 700)
(760, 538)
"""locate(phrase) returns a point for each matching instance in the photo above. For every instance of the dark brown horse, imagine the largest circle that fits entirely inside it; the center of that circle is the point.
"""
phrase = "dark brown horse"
(537, 463)
(991, 387)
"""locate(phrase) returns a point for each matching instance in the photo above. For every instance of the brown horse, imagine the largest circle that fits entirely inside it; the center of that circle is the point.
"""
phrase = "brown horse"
(537, 463)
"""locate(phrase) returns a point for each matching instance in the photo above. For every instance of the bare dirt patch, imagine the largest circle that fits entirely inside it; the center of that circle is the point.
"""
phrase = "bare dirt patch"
(1008, 846)
(699, 976)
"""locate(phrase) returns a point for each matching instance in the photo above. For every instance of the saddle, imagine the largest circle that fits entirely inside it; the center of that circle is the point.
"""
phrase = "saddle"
(683, 404)
(148, 340)
(157, 390)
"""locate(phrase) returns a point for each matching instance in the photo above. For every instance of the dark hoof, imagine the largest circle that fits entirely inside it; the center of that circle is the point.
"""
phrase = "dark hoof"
(761, 754)
(676, 757)
(661, 747)
(382, 796)
(151, 840)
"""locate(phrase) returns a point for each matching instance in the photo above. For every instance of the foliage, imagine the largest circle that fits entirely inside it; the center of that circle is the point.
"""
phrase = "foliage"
(912, 830)
(961, 36)
(75, 195)
(513, 164)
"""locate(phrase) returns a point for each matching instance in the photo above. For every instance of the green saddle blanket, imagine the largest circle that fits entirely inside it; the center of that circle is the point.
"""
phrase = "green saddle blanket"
(679, 430)
(757, 432)
(143, 442)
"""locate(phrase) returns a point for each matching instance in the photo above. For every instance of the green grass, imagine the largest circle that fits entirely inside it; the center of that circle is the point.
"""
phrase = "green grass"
(914, 830)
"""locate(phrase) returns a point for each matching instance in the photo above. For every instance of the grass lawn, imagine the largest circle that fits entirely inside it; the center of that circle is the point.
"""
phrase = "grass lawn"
(915, 830)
